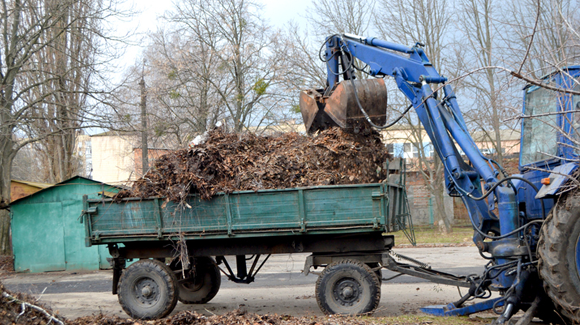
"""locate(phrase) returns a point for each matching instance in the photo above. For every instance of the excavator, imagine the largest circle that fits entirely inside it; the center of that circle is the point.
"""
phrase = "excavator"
(527, 225)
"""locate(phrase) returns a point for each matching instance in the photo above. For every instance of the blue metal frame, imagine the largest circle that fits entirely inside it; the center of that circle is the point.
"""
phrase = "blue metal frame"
(525, 192)
(564, 149)
(511, 203)
(451, 310)
(442, 119)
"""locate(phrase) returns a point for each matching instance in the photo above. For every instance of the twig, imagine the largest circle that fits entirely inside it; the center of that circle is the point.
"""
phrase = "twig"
(575, 181)
(37, 299)
(210, 312)
(531, 38)
(24, 304)
(557, 157)
(512, 73)
(540, 115)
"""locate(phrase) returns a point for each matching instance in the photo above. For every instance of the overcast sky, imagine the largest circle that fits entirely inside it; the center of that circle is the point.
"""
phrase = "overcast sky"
(277, 12)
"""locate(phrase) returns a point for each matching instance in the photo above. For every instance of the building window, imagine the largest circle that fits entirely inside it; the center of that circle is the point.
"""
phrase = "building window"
(410, 151)
(391, 149)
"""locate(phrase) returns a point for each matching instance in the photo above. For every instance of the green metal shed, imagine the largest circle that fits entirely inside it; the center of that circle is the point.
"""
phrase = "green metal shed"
(46, 231)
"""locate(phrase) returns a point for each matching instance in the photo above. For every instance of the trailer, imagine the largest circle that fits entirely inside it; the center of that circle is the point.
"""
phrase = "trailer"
(181, 247)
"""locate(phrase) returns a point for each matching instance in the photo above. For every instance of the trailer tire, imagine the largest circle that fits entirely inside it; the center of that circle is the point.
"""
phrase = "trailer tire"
(348, 287)
(378, 273)
(202, 282)
(148, 290)
(559, 250)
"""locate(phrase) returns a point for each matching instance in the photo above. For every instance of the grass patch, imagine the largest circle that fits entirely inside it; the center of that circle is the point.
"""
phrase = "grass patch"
(431, 320)
(431, 235)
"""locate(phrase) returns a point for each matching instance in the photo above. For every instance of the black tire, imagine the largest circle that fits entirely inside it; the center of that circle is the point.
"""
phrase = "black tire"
(201, 283)
(348, 287)
(557, 248)
(378, 273)
(148, 290)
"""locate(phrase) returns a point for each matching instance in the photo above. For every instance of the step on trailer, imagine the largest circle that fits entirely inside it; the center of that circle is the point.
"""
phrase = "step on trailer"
(345, 227)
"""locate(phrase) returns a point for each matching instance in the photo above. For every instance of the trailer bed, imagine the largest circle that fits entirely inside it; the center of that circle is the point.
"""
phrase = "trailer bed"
(311, 210)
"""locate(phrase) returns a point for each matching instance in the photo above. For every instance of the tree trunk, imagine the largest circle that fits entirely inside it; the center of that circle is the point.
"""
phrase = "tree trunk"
(144, 144)
(6, 158)
(438, 191)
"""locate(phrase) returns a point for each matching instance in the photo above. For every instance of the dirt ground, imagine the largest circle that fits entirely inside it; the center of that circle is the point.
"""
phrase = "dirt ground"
(282, 291)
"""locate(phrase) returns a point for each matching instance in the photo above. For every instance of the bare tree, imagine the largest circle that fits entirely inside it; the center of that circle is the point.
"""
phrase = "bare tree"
(28, 166)
(181, 66)
(248, 53)
(64, 64)
(427, 22)
(32, 30)
(334, 16)
(489, 90)
(307, 70)
(546, 39)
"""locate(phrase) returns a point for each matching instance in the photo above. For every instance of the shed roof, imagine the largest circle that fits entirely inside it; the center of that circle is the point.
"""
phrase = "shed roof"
(106, 190)
(34, 184)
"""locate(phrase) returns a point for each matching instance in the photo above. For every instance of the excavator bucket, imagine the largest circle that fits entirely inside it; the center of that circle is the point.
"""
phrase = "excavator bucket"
(341, 109)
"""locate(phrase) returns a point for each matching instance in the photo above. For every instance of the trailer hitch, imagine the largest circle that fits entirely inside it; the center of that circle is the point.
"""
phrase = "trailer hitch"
(243, 275)
(478, 287)
(424, 271)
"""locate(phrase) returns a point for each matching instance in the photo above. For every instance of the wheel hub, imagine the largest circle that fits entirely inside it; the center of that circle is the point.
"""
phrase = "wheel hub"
(347, 291)
(193, 282)
(146, 291)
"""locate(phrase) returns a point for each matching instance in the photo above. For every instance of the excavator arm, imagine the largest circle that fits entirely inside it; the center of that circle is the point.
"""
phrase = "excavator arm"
(358, 105)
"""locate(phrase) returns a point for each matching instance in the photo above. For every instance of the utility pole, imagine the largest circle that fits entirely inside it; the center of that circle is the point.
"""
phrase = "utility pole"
(144, 148)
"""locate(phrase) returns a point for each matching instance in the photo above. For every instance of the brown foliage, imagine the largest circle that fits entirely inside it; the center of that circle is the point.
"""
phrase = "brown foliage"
(229, 162)
(233, 317)
(6, 264)
(11, 311)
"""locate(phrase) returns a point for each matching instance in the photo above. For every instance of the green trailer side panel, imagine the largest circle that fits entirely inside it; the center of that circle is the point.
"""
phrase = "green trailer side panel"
(277, 210)
(77, 256)
(40, 244)
(208, 216)
(320, 209)
(341, 206)
(133, 217)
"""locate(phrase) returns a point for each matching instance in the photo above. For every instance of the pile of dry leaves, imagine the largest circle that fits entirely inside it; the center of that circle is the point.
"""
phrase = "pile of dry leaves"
(6, 264)
(229, 162)
(234, 317)
(23, 309)
(17, 308)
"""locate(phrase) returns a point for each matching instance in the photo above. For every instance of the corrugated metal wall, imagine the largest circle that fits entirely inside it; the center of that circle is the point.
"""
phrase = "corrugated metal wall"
(46, 231)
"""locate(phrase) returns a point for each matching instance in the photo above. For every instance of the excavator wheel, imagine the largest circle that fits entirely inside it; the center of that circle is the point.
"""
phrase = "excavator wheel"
(559, 250)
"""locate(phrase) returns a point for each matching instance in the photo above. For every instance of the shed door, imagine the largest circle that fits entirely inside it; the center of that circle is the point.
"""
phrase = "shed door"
(77, 255)
(40, 240)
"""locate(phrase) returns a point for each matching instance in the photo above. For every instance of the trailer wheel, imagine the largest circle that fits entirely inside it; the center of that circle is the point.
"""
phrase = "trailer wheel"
(148, 290)
(348, 287)
(378, 273)
(559, 263)
(201, 283)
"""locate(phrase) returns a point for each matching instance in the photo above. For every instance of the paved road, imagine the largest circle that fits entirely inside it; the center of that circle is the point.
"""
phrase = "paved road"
(268, 280)
(279, 288)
